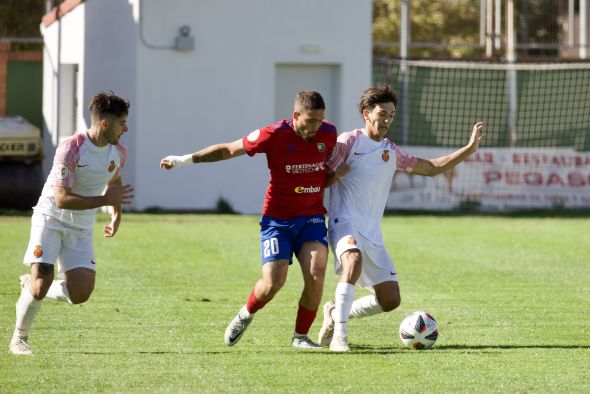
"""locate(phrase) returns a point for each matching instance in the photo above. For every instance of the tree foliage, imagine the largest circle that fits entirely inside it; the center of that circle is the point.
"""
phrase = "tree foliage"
(451, 22)
(21, 18)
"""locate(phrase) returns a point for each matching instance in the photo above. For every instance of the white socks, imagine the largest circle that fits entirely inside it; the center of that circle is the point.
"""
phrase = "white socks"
(244, 312)
(347, 307)
(27, 307)
(343, 299)
(59, 292)
(365, 306)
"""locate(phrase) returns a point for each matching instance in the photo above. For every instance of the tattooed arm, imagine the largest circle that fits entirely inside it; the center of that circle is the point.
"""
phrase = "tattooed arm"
(210, 154)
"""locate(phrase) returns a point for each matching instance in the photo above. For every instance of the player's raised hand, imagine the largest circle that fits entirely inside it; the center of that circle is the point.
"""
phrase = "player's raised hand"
(477, 135)
(170, 162)
(117, 195)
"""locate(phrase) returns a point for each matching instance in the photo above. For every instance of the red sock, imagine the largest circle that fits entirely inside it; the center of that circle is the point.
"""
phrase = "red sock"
(305, 318)
(254, 304)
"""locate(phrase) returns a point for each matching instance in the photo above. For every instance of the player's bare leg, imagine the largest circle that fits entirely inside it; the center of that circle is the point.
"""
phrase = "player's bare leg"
(77, 288)
(313, 258)
(388, 295)
(274, 275)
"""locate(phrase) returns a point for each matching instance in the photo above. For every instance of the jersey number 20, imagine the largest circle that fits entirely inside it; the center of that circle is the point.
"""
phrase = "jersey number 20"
(270, 246)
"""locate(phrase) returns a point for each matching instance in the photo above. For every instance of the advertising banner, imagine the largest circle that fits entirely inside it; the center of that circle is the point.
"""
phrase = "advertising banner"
(498, 179)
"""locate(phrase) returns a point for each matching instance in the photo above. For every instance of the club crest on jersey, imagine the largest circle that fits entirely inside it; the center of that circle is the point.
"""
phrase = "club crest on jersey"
(112, 166)
(351, 241)
(321, 147)
(38, 252)
(385, 155)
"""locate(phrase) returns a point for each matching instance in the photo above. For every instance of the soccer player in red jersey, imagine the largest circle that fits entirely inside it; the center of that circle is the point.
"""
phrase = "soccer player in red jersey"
(293, 212)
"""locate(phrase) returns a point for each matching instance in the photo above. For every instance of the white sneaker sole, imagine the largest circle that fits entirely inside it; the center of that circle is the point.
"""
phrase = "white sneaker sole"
(327, 331)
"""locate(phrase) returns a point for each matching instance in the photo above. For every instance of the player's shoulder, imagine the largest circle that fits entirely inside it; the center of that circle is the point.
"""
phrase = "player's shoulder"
(350, 136)
(389, 143)
(269, 131)
(122, 149)
(328, 127)
(280, 126)
(276, 128)
(72, 146)
(74, 141)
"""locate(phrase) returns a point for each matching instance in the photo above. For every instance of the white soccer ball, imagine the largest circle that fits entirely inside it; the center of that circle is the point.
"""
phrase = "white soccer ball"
(419, 330)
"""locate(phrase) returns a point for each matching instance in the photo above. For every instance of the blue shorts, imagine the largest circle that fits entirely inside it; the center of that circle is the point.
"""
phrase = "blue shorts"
(280, 239)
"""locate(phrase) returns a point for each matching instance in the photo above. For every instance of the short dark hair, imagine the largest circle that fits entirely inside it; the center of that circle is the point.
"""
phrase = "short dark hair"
(309, 100)
(375, 95)
(108, 103)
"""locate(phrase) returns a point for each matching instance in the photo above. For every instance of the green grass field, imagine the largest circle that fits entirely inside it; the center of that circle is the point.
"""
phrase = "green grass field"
(511, 295)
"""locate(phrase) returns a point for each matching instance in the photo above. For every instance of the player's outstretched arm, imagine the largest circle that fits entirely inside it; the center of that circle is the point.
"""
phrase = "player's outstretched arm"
(432, 167)
(210, 154)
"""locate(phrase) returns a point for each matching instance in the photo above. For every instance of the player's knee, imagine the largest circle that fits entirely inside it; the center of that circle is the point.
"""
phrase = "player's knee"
(80, 298)
(318, 274)
(390, 303)
(352, 261)
(42, 270)
(80, 292)
(272, 287)
(38, 289)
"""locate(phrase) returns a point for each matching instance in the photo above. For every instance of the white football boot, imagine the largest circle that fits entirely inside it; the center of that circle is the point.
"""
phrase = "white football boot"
(236, 328)
(339, 344)
(303, 342)
(327, 330)
(20, 347)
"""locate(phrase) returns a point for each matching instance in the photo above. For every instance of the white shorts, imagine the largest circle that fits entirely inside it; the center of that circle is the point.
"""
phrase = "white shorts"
(378, 267)
(52, 240)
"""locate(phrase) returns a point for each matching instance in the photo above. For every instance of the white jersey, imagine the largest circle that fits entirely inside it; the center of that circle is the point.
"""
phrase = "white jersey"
(360, 197)
(86, 169)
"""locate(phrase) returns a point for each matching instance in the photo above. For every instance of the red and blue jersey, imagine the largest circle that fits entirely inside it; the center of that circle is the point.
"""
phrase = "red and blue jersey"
(297, 168)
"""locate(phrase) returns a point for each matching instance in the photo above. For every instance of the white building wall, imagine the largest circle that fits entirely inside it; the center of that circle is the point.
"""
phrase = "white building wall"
(71, 31)
(110, 63)
(218, 92)
(225, 87)
(100, 37)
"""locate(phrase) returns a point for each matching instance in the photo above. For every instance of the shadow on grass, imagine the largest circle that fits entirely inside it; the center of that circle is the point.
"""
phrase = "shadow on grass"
(478, 347)
(147, 352)
(395, 349)
(355, 350)
(555, 212)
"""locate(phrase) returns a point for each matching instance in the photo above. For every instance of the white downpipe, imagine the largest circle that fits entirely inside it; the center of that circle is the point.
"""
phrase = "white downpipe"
(405, 93)
(571, 17)
(58, 78)
(498, 25)
(583, 29)
(482, 22)
(489, 28)
(511, 74)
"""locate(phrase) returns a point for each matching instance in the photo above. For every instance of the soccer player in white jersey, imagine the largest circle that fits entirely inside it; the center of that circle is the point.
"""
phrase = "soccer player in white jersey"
(368, 161)
(61, 226)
